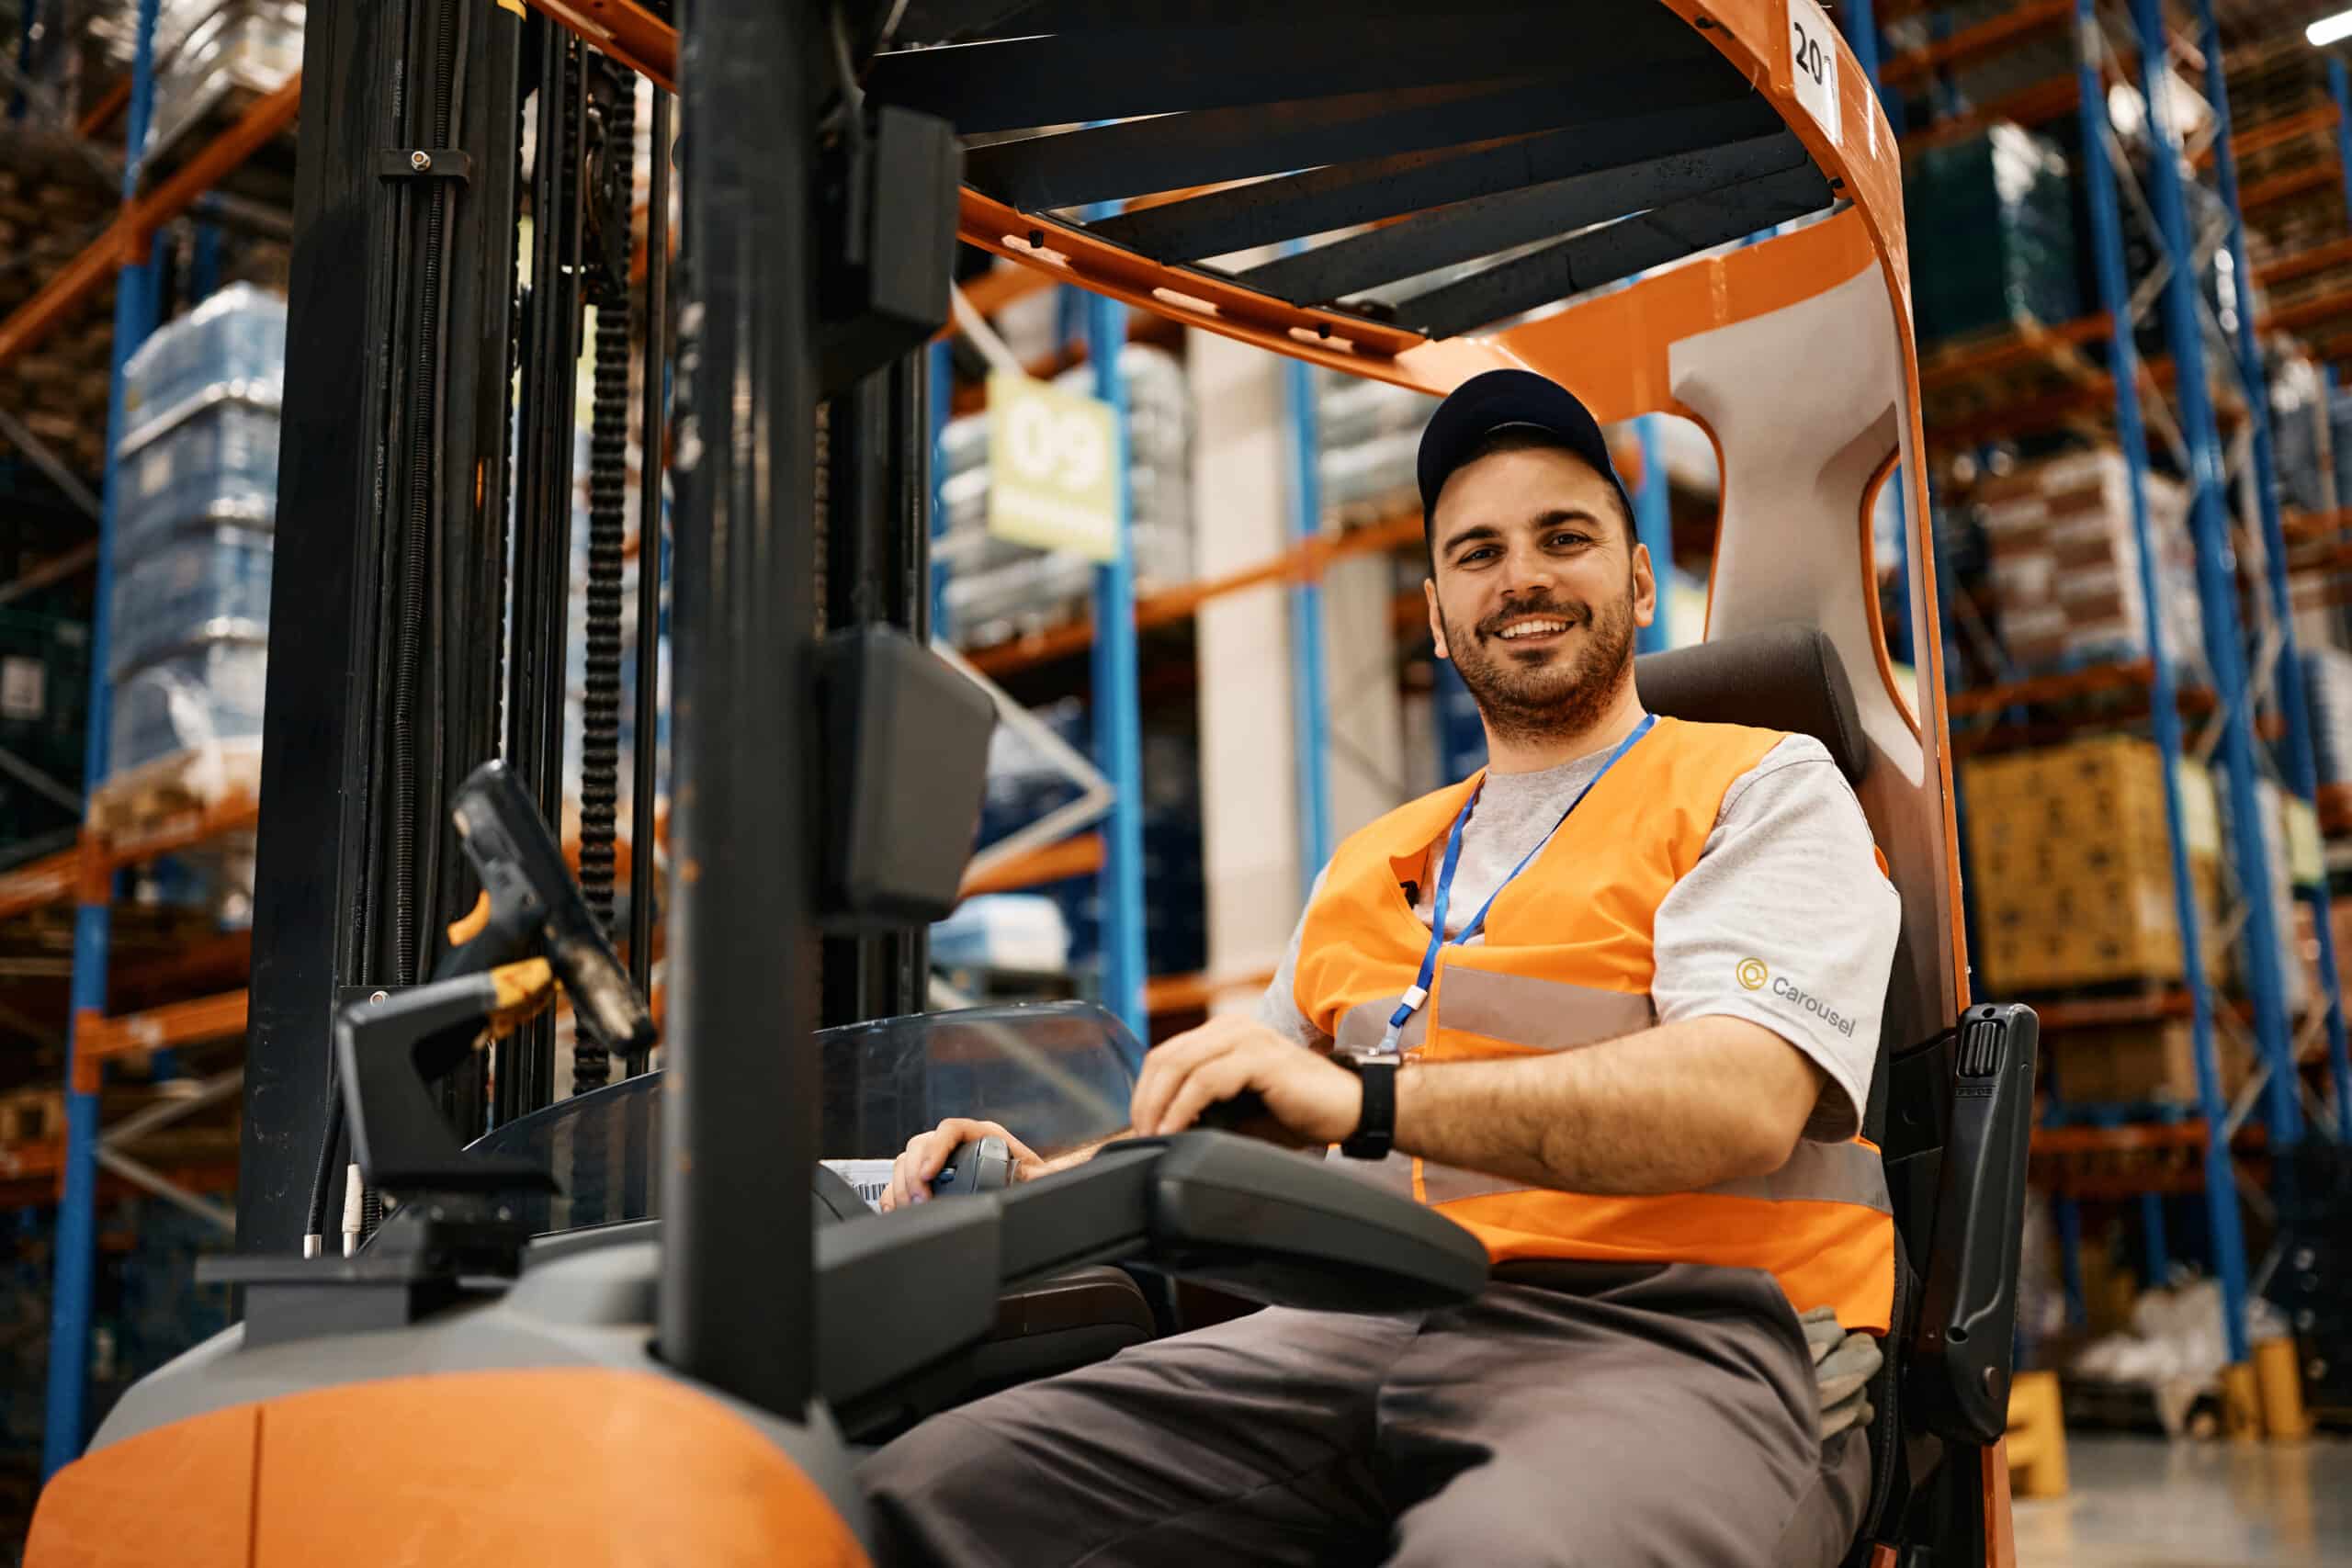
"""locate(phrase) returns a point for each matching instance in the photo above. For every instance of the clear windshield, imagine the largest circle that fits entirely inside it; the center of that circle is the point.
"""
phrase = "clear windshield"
(1055, 1074)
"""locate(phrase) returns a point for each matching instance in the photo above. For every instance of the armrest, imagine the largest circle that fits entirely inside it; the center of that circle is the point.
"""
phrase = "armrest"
(1957, 1359)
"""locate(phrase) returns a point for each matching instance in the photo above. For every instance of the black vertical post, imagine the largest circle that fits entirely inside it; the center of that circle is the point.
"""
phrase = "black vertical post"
(354, 323)
(742, 1102)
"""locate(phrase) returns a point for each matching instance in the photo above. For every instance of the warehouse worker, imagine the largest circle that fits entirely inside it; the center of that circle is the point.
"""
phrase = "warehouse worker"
(1612, 1005)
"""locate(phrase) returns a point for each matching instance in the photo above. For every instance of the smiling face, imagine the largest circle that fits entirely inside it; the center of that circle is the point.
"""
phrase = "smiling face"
(1537, 588)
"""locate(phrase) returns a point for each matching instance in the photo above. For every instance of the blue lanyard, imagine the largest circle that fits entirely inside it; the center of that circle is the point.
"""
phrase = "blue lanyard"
(1419, 990)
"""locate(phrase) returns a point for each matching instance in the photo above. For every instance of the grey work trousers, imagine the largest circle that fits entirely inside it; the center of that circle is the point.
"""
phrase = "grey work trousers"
(1610, 1415)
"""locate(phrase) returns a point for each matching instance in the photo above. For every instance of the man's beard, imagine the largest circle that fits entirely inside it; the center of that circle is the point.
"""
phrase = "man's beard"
(1557, 697)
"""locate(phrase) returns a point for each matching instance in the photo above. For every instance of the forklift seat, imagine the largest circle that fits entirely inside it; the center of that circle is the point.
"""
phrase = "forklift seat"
(1950, 1110)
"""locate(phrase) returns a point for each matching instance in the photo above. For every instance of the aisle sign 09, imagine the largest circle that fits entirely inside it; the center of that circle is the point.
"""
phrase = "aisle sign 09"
(1052, 461)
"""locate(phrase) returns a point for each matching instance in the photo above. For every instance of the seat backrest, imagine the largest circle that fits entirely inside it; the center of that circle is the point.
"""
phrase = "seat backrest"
(1784, 677)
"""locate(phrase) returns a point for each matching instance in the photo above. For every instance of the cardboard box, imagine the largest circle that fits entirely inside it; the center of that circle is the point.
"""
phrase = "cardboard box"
(2070, 869)
(2130, 1063)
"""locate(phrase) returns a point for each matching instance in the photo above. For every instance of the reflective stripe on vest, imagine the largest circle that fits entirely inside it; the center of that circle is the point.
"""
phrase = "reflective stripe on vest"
(1567, 961)
(1543, 1015)
(1819, 1173)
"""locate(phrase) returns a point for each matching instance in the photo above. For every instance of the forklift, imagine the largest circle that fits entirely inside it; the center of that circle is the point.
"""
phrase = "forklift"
(643, 1321)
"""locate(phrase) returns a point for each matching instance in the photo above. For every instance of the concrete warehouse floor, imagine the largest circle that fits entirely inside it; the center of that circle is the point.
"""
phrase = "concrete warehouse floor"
(2144, 1503)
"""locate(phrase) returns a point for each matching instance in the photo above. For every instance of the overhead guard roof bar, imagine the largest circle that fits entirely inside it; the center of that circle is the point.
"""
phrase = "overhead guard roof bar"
(1293, 51)
(1339, 195)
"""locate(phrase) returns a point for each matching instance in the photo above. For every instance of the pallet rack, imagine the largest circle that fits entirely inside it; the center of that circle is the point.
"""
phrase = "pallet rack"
(85, 875)
(2184, 401)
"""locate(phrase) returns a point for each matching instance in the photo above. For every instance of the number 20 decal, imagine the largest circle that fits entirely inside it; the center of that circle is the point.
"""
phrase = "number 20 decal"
(1812, 57)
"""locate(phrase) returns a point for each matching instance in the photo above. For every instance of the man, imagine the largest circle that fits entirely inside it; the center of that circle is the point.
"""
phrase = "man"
(1591, 1071)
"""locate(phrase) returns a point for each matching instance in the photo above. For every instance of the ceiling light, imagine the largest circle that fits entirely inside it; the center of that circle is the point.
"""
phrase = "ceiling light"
(2330, 30)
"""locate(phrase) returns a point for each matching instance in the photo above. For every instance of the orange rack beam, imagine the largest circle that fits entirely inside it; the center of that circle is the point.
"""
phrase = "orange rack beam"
(1970, 42)
(2302, 264)
(2305, 312)
(2037, 105)
(2294, 183)
(101, 114)
(98, 1038)
(630, 34)
(2097, 1012)
(1191, 993)
(49, 880)
(180, 831)
(2021, 345)
(2051, 688)
(2262, 137)
(1075, 856)
(1307, 561)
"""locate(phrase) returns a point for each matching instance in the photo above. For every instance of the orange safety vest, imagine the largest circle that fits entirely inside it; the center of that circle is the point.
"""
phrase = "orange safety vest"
(1566, 961)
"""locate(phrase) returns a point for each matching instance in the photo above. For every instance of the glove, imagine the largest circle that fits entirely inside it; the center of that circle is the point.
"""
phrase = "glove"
(1843, 1365)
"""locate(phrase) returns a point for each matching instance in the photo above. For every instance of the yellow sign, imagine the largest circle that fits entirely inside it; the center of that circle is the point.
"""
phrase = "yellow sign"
(1053, 482)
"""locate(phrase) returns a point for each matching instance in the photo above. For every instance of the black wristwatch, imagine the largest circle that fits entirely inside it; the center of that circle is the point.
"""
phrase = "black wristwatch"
(1376, 1132)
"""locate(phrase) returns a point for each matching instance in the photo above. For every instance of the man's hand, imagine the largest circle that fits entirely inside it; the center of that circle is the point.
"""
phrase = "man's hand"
(1315, 1100)
(926, 1155)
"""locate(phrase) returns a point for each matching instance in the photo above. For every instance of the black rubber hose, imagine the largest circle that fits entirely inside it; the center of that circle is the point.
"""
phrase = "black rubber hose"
(600, 708)
(323, 1178)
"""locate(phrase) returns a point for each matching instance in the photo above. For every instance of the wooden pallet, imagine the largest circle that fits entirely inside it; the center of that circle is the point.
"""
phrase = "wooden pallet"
(154, 798)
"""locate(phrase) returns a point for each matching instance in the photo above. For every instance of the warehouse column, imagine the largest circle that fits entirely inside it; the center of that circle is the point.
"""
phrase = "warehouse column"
(76, 1244)
(1118, 720)
(1251, 842)
(2115, 297)
(2217, 584)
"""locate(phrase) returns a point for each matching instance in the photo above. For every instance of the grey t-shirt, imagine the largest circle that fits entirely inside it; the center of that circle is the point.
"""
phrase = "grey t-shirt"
(1786, 920)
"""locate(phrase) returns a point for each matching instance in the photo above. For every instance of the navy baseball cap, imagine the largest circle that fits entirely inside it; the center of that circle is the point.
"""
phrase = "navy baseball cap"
(1508, 400)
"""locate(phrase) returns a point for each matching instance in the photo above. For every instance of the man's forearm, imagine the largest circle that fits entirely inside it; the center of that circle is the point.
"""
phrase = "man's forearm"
(1084, 1152)
(1671, 1109)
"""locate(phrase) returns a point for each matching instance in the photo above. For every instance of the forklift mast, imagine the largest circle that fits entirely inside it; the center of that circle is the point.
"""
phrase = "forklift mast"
(421, 620)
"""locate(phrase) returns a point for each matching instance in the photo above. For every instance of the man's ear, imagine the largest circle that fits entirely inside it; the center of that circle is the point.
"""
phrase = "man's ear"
(1436, 623)
(1644, 587)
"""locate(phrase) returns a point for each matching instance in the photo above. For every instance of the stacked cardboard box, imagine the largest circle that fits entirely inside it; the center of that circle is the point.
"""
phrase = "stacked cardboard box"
(2138, 1063)
(2070, 866)
(2065, 565)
